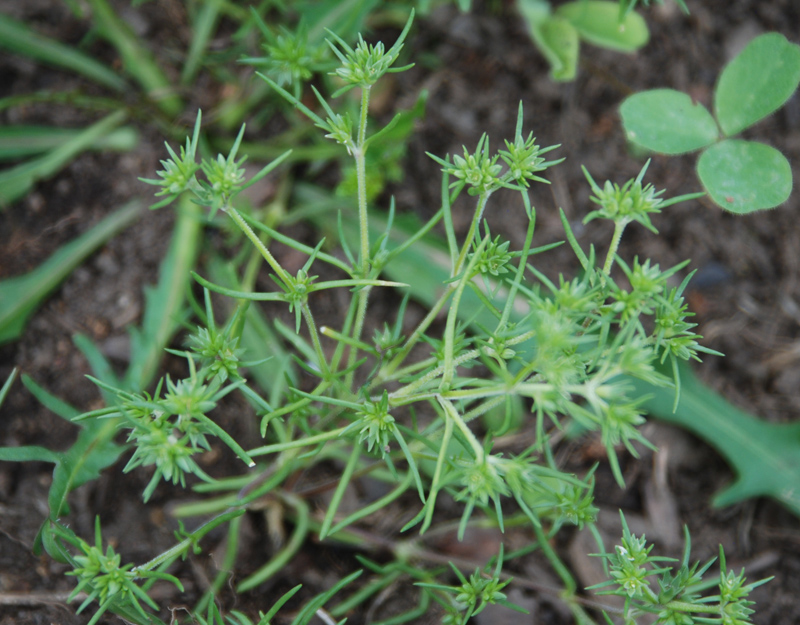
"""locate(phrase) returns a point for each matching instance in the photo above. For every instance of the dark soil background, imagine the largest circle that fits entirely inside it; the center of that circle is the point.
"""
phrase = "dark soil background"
(477, 68)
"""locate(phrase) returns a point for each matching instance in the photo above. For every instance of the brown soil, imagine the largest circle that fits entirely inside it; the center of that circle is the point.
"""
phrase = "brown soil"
(477, 68)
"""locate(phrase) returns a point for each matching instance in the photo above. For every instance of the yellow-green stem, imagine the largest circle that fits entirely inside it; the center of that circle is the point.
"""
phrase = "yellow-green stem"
(555, 562)
(692, 607)
(452, 414)
(359, 154)
(361, 176)
(619, 228)
(419, 330)
(476, 219)
(248, 231)
(308, 441)
(452, 315)
(526, 248)
(361, 314)
(312, 330)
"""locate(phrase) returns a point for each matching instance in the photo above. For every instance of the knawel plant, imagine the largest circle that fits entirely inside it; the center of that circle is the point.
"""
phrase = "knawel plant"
(408, 405)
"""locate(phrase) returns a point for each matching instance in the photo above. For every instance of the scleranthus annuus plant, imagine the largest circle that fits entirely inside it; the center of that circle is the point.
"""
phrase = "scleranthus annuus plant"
(411, 407)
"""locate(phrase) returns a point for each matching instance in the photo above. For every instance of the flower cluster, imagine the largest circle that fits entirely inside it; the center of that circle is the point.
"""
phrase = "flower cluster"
(676, 599)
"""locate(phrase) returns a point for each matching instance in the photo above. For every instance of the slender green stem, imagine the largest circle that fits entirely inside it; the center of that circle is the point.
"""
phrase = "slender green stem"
(692, 607)
(349, 320)
(555, 561)
(452, 414)
(312, 330)
(375, 505)
(362, 120)
(619, 228)
(484, 407)
(476, 219)
(183, 546)
(248, 231)
(276, 210)
(412, 340)
(452, 316)
(437, 475)
(358, 327)
(416, 236)
(336, 500)
(302, 442)
(292, 547)
(359, 153)
(363, 217)
(343, 338)
(526, 249)
(226, 569)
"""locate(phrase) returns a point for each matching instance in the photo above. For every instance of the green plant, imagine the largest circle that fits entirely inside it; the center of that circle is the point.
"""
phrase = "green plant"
(420, 407)
(678, 596)
(558, 32)
(739, 175)
(44, 151)
(22, 295)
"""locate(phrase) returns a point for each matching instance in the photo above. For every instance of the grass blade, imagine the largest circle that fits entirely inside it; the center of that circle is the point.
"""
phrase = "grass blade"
(17, 181)
(202, 29)
(18, 38)
(7, 386)
(20, 296)
(137, 60)
(17, 142)
(165, 302)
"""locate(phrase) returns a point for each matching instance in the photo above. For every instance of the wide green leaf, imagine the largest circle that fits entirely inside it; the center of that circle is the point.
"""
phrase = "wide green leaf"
(745, 176)
(765, 456)
(599, 23)
(29, 453)
(757, 82)
(667, 121)
(558, 41)
(555, 37)
(93, 451)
